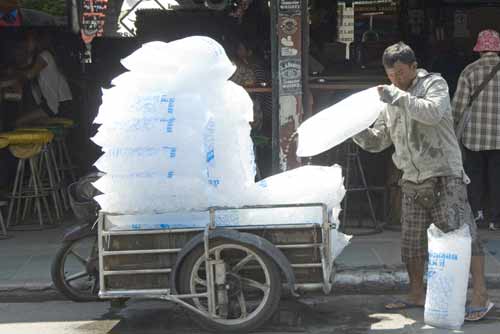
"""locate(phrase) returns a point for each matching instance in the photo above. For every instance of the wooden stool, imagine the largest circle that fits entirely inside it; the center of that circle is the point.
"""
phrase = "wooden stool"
(65, 163)
(30, 149)
(49, 176)
(55, 162)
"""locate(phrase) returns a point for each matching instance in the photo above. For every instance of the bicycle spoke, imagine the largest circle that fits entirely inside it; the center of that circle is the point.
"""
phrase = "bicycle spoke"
(77, 276)
(199, 281)
(254, 284)
(243, 305)
(237, 267)
(95, 287)
(79, 258)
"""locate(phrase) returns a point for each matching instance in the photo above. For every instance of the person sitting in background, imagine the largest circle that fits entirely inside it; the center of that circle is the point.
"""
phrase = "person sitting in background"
(47, 92)
(245, 74)
(249, 73)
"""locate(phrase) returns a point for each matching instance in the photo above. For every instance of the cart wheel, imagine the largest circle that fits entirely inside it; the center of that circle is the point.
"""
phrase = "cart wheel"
(252, 286)
(75, 270)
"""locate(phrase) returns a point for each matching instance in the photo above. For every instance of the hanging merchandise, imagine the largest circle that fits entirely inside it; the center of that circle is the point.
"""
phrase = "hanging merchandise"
(93, 18)
(439, 34)
(460, 25)
(345, 26)
(416, 21)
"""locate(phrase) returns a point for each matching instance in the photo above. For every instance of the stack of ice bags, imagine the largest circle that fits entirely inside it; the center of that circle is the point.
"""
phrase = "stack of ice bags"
(176, 137)
(174, 131)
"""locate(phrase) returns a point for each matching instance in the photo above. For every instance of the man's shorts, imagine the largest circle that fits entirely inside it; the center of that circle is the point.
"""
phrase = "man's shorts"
(441, 201)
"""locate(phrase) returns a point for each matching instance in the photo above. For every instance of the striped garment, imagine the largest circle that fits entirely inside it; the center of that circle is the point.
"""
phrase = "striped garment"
(483, 131)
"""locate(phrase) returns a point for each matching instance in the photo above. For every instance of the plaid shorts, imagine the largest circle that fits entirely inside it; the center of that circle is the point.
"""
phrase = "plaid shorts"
(442, 202)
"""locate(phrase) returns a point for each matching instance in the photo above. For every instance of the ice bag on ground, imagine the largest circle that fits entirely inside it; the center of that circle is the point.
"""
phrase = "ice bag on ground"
(447, 277)
(335, 124)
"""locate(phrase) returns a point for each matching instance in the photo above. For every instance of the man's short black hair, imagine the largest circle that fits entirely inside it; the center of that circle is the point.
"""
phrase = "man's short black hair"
(398, 52)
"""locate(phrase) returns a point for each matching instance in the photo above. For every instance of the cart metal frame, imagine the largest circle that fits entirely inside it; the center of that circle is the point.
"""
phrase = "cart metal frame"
(205, 236)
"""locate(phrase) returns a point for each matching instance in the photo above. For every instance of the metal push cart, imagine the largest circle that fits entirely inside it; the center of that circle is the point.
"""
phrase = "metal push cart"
(226, 265)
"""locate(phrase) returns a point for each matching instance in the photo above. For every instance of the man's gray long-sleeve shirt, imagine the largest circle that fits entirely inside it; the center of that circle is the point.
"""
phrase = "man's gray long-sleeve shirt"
(420, 126)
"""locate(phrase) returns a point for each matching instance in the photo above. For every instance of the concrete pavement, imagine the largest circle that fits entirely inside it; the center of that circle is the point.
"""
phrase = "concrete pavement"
(339, 314)
(369, 262)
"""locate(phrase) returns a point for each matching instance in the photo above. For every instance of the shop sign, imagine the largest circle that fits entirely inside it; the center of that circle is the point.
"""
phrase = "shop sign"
(289, 36)
(388, 7)
(345, 26)
(288, 52)
(289, 25)
(290, 5)
(290, 77)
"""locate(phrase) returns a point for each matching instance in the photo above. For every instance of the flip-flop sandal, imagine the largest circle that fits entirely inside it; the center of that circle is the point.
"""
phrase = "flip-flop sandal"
(401, 305)
(482, 310)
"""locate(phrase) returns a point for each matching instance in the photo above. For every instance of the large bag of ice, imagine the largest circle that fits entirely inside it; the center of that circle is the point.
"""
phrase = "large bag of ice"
(335, 124)
(447, 277)
(193, 57)
(306, 184)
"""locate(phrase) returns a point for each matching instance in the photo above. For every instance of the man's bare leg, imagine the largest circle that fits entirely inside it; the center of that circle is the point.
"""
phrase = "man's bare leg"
(416, 270)
(479, 292)
(416, 294)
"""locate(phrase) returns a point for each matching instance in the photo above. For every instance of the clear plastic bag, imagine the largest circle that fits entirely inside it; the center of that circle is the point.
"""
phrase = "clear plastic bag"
(335, 124)
(447, 277)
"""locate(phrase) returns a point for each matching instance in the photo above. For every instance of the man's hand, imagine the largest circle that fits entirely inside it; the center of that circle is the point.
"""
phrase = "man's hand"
(389, 94)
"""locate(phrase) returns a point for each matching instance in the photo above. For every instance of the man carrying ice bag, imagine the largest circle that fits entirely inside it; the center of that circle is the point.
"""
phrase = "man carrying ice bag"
(418, 121)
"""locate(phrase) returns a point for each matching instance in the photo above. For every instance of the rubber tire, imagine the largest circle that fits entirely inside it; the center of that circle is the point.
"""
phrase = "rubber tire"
(267, 311)
(58, 279)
